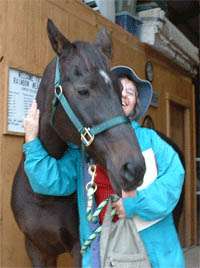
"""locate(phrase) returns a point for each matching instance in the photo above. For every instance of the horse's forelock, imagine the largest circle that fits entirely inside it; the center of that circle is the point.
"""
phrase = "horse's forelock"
(90, 56)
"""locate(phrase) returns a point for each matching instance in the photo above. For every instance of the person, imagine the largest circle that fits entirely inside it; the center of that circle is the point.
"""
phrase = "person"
(151, 205)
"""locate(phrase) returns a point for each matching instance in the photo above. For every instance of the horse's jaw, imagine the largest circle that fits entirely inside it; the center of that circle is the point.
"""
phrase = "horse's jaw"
(54, 145)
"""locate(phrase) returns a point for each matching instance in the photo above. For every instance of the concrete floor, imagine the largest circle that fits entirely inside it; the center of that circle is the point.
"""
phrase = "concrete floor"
(192, 256)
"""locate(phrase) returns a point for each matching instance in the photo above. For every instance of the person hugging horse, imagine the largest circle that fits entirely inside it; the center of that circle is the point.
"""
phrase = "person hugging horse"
(151, 203)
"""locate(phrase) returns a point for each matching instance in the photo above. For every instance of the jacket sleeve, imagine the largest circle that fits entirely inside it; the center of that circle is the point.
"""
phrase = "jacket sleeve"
(161, 196)
(47, 175)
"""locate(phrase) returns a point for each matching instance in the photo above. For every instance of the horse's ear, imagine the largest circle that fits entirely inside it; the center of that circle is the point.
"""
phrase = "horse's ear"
(57, 39)
(104, 42)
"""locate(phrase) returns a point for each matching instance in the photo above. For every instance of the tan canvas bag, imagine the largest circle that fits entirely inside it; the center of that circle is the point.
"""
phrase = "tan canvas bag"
(120, 244)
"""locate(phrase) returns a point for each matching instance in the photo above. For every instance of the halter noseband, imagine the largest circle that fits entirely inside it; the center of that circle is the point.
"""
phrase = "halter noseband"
(87, 133)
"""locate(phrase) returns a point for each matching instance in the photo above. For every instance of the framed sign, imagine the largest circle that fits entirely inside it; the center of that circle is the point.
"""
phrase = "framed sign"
(22, 89)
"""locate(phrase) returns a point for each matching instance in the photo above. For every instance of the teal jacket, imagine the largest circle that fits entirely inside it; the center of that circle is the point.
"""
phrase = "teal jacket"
(62, 177)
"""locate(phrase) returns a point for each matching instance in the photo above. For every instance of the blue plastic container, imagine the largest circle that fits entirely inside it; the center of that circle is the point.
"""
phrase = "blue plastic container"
(130, 23)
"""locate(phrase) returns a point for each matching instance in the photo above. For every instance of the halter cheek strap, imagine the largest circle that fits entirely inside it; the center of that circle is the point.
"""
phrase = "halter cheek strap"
(87, 133)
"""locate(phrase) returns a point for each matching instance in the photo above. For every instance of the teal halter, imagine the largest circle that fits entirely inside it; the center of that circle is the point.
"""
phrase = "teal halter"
(87, 136)
(87, 133)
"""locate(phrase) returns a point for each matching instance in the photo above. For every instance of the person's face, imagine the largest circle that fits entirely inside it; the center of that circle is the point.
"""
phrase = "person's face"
(129, 96)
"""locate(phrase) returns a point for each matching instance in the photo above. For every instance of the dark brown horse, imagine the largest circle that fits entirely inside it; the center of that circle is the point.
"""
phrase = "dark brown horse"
(50, 224)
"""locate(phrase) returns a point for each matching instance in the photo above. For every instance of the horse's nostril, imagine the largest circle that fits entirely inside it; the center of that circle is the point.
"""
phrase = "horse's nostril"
(128, 166)
(132, 176)
(129, 170)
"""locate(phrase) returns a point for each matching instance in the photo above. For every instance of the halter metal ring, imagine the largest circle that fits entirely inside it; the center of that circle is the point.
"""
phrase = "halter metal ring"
(58, 91)
(91, 185)
(86, 137)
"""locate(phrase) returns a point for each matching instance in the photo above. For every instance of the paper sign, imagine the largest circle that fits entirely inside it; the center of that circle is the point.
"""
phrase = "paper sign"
(22, 89)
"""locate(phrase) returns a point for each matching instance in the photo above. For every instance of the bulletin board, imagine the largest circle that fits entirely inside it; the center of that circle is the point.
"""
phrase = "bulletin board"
(22, 90)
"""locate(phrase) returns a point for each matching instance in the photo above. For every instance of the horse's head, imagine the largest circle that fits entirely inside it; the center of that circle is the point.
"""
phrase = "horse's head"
(87, 86)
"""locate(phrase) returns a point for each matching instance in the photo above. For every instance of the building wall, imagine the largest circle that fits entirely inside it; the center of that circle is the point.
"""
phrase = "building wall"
(24, 45)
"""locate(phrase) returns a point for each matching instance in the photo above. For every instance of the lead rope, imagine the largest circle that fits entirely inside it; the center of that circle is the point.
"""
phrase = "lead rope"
(91, 188)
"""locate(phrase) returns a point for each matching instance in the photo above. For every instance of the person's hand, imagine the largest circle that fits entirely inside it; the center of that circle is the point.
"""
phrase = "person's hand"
(118, 206)
(31, 123)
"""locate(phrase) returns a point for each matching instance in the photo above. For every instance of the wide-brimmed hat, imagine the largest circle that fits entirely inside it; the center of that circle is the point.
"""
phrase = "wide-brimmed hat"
(144, 87)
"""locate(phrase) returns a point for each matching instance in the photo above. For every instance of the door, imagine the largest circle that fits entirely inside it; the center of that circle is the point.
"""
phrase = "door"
(179, 130)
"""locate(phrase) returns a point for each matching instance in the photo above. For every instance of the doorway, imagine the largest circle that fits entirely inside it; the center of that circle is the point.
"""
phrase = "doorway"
(179, 130)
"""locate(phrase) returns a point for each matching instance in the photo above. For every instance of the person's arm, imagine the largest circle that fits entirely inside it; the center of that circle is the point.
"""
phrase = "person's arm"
(160, 197)
(46, 174)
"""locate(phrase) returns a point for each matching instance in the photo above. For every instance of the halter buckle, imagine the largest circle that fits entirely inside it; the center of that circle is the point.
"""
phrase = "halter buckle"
(86, 137)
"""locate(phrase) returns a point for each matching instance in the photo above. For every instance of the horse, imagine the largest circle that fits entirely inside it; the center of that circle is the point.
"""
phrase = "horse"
(50, 223)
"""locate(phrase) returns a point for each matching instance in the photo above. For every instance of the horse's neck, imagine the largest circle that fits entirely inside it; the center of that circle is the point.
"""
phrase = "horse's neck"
(49, 138)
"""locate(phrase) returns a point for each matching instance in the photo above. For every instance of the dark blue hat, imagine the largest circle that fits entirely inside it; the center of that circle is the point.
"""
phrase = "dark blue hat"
(144, 87)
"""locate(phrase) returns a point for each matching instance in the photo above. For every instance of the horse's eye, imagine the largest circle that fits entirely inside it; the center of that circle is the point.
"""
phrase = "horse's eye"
(84, 92)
